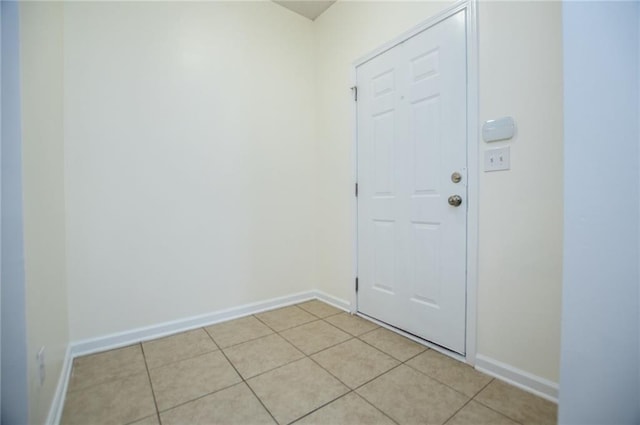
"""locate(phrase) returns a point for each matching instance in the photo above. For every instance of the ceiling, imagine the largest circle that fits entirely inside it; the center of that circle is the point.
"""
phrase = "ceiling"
(308, 8)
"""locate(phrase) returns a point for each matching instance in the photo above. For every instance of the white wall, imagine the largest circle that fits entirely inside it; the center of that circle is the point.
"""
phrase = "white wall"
(14, 328)
(41, 49)
(189, 159)
(520, 237)
(520, 248)
(600, 357)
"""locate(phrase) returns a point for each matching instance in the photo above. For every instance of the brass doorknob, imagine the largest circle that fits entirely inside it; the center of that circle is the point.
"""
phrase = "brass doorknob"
(455, 200)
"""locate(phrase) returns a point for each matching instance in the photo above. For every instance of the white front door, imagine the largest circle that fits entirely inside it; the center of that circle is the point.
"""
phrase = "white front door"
(412, 138)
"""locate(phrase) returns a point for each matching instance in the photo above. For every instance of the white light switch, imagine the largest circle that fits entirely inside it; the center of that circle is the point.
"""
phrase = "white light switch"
(497, 159)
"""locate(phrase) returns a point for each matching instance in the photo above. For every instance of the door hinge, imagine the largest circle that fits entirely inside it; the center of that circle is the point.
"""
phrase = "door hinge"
(356, 190)
(354, 89)
(356, 284)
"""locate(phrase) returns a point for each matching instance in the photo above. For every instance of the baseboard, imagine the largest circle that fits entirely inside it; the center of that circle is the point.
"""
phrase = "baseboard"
(134, 336)
(334, 301)
(55, 412)
(534, 384)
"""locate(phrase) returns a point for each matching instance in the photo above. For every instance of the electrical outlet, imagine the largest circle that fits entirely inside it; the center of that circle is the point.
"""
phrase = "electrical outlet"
(498, 159)
(42, 373)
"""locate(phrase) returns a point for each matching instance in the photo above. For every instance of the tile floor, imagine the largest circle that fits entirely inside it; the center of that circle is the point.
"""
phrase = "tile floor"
(304, 364)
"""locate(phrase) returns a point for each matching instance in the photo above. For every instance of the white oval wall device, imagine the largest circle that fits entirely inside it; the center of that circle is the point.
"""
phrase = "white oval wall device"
(499, 129)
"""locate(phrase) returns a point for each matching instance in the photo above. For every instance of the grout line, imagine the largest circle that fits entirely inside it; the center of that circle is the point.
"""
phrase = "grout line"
(153, 393)
(439, 381)
(492, 408)
(182, 359)
(261, 402)
(277, 367)
(344, 383)
(389, 354)
(376, 407)
(483, 387)
(419, 354)
(456, 412)
(468, 401)
(334, 326)
(211, 338)
(263, 322)
(320, 407)
(244, 342)
(330, 373)
(108, 380)
(377, 376)
(142, 419)
(201, 396)
(244, 381)
(294, 326)
(317, 319)
(238, 343)
(325, 348)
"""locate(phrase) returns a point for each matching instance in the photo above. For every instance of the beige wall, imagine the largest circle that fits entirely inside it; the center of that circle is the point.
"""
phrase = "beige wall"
(520, 242)
(521, 211)
(44, 208)
(189, 154)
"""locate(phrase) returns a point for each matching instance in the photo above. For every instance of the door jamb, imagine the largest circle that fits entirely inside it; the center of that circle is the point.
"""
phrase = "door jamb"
(473, 174)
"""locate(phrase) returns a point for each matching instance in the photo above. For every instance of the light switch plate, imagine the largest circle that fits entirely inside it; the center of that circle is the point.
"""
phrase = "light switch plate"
(497, 159)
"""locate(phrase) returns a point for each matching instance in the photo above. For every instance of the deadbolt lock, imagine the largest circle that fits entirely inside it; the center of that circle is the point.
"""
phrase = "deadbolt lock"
(456, 177)
(455, 200)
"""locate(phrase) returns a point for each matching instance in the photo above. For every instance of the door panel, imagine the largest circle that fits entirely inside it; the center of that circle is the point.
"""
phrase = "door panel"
(412, 129)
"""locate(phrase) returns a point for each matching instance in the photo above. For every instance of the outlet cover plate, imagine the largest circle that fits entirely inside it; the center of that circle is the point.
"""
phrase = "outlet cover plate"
(42, 373)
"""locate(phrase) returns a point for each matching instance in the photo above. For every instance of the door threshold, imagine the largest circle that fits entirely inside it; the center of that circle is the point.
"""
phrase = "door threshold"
(412, 337)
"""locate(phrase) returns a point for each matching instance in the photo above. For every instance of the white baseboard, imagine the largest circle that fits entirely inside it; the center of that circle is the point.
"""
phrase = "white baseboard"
(534, 384)
(57, 404)
(334, 301)
(134, 336)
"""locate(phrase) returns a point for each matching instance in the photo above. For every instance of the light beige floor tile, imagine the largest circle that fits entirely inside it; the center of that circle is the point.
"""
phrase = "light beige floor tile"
(234, 405)
(315, 336)
(393, 344)
(285, 318)
(260, 355)
(238, 331)
(410, 397)
(354, 362)
(102, 367)
(477, 414)
(296, 389)
(118, 402)
(518, 404)
(352, 324)
(149, 420)
(456, 374)
(347, 410)
(186, 380)
(320, 309)
(160, 352)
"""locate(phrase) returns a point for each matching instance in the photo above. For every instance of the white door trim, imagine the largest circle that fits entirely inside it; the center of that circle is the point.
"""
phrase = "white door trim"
(470, 6)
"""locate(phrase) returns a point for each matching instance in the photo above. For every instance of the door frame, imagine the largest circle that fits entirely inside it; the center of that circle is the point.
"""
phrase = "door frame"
(473, 174)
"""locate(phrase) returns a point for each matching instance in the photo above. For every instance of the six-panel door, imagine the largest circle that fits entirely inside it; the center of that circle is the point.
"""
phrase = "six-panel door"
(412, 128)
